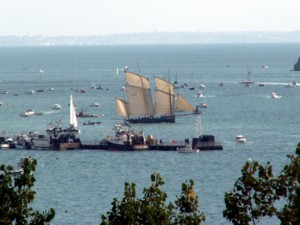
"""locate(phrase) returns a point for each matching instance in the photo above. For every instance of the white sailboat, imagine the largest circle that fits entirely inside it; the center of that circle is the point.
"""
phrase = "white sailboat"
(73, 117)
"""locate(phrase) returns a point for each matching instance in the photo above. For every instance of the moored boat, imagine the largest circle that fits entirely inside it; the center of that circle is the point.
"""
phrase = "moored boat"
(188, 149)
(126, 140)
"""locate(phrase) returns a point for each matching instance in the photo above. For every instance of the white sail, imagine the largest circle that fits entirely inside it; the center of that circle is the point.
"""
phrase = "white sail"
(138, 95)
(183, 105)
(164, 97)
(73, 118)
(122, 108)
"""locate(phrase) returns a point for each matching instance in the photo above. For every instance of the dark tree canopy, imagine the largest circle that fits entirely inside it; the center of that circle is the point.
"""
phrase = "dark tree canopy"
(152, 207)
(257, 191)
(16, 194)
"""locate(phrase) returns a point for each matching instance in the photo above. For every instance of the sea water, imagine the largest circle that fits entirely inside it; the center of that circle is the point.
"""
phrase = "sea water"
(80, 185)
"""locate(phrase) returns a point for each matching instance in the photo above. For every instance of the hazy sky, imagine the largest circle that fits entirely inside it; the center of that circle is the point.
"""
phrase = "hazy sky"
(99, 17)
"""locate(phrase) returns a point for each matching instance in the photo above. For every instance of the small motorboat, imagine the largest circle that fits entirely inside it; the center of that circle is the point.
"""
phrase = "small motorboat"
(199, 94)
(273, 95)
(203, 105)
(56, 106)
(187, 149)
(28, 112)
(82, 114)
(202, 86)
(94, 104)
(30, 92)
(240, 138)
(261, 84)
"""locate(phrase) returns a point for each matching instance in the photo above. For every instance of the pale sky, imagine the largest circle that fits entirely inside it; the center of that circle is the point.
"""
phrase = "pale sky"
(99, 17)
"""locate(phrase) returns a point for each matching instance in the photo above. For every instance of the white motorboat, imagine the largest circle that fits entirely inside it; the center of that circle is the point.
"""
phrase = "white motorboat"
(28, 112)
(240, 138)
(187, 149)
(203, 105)
(56, 106)
(273, 95)
(199, 94)
(202, 86)
(30, 92)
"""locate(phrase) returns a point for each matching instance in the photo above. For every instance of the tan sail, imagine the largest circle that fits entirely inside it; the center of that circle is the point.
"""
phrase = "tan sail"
(137, 80)
(138, 95)
(183, 105)
(164, 97)
(122, 107)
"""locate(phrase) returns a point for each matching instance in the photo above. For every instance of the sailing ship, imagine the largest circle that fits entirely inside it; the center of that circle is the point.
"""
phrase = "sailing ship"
(139, 107)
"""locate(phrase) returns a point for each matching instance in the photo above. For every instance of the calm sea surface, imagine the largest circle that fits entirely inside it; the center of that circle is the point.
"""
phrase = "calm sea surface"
(80, 185)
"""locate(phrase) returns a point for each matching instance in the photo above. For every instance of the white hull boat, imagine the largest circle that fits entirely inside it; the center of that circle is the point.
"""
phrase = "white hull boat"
(187, 149)
(240, 139)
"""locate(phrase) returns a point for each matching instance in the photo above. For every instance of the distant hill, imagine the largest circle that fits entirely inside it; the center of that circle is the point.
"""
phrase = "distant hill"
(154, 38)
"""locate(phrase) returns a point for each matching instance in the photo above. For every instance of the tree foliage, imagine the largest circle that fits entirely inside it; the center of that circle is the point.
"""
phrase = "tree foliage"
(16, 194)
(152, 207)
(257, 192)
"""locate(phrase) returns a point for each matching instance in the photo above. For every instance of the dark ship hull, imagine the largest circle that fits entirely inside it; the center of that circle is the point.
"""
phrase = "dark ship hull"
(161, 119)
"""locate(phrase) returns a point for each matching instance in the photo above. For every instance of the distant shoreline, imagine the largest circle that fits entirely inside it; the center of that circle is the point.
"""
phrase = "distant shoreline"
(152, 38)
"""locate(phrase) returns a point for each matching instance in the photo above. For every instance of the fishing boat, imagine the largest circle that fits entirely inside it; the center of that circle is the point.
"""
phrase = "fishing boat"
(62, 139)
(40, 142)
(6, 142)
(248, 81)
(126, 140)
(139, 107)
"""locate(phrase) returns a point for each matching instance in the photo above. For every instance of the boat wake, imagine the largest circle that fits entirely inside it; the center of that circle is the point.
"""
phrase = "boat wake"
(51, 112)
